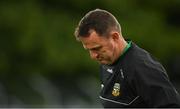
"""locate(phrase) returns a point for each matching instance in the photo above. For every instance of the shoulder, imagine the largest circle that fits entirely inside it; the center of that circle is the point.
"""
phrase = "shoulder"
(143, 58)
(143, 62)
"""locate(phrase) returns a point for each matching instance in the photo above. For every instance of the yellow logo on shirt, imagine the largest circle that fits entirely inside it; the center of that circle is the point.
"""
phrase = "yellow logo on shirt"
(116, 89)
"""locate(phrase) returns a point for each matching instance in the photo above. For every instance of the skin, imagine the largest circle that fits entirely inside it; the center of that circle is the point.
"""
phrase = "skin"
(104, 49)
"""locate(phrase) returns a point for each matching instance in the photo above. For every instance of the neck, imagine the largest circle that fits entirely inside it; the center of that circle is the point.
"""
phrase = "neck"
(120, 48)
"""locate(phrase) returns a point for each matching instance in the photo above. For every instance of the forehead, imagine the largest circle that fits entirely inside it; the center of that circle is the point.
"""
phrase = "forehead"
(93, 40)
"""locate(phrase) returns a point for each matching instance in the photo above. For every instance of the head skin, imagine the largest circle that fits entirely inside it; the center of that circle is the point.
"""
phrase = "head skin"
(100, 34)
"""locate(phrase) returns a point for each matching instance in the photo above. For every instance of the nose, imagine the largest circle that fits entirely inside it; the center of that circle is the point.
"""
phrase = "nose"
(93, 55)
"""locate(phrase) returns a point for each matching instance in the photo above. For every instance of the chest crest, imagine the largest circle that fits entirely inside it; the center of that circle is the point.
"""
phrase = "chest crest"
(116, 89)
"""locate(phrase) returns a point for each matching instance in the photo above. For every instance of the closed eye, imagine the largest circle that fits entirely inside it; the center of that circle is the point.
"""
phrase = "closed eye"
(96, 48)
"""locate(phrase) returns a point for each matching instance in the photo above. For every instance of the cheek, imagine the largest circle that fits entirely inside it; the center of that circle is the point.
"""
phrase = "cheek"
(111, 47)
(109, 51)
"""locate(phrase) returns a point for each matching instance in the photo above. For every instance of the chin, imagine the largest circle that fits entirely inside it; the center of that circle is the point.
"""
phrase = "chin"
(104, 62)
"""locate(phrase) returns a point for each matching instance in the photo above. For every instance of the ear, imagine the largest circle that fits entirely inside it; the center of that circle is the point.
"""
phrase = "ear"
(115, 36)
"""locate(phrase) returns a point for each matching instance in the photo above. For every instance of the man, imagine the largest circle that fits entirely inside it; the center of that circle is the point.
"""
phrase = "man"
(130, 76)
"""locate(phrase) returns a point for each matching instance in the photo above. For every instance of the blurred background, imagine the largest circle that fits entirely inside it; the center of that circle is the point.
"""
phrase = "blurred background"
(42, 65)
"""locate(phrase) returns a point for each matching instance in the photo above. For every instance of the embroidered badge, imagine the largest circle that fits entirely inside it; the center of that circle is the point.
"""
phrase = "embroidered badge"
(116, 89)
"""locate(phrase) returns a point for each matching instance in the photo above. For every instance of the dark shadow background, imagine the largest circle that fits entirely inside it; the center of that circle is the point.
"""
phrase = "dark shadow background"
(42, 65)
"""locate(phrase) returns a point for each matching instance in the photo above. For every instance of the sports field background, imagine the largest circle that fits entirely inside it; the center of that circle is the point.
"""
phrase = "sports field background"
(42, 65)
